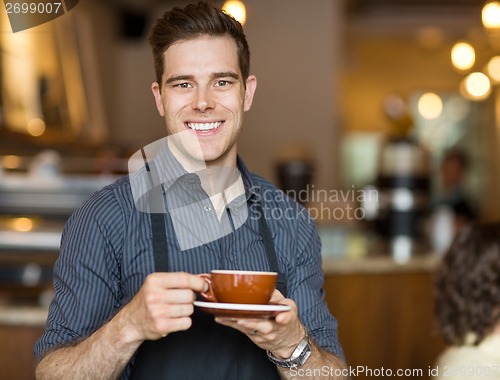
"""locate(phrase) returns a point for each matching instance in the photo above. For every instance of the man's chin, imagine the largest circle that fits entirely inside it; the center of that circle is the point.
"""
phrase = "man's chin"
(216, 158)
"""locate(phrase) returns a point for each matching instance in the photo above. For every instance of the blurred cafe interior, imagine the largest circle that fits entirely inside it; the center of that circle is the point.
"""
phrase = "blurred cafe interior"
(358, 104)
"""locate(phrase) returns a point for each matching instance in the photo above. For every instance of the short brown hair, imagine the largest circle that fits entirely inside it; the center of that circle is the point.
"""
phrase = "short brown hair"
(192, 21)
(468, 284)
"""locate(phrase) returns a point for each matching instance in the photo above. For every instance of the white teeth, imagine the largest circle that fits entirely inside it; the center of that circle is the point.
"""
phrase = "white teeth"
(204, 126)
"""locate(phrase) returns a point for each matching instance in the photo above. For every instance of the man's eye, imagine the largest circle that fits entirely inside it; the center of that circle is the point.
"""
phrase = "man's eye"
(183, 85)
(222, 83)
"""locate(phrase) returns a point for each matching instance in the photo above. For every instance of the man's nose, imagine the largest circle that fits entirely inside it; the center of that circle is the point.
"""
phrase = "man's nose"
(203, 100)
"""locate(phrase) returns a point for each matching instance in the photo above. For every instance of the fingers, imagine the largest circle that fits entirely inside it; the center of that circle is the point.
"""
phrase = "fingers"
(287, 316)
(169, 295)
(182, 296)
(177, 280)
(164, 304)
(247, 325)
(165, 319)
(276, 297)
(278, 334)
(163, 327)
(251, 327)
(177, 311)
(257, 330)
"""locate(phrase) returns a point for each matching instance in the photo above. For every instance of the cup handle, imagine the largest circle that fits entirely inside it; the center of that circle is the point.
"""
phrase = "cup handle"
(209, 294)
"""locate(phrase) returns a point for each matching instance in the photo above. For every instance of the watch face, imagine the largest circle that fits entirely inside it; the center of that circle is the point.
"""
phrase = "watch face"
(305, 355)
(301, 348)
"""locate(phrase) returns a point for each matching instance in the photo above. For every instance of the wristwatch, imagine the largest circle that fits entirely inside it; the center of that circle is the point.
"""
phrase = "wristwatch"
(299, 355)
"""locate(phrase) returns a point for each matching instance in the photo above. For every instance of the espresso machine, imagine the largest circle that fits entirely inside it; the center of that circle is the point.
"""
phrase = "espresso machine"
(404, 187)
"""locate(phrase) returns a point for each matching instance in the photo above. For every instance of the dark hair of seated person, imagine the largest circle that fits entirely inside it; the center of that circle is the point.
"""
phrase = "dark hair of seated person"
(467, 286)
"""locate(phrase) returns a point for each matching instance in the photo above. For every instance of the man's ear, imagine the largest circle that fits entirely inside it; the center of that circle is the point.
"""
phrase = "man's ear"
(251, 86)
(155, 87)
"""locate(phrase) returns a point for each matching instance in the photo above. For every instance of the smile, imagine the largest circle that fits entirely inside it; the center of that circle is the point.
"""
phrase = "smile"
(204, 126)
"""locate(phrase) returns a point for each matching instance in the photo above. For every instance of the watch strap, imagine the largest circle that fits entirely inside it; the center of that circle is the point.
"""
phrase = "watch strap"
(298, 358)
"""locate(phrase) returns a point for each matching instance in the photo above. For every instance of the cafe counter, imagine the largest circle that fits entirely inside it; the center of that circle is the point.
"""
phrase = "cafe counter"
(380, 264)
(385, 311)
(20, 327)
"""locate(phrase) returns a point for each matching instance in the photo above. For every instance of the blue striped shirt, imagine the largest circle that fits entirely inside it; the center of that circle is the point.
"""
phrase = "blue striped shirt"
(106, 254)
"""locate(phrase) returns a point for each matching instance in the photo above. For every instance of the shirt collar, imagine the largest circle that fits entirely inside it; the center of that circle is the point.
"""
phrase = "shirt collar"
(170, 170)
(251, 189)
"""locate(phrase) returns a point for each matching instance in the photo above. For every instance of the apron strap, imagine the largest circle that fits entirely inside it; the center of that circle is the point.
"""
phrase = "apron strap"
(272, 257)
(158, 224)
(159, 242)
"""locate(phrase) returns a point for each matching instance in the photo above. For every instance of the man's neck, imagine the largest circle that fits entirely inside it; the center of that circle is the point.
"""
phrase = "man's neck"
(221, 183)
(189, 163)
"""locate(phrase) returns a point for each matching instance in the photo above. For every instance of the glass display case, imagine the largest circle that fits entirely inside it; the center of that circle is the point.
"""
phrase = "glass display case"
(34, 206)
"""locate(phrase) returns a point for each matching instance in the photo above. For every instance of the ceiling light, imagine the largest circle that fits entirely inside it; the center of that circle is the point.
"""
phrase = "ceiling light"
(493, 69)
(236, 9)
(491, 15)
(476, 86)
(430, 105)
(463, 56)
(36, 127)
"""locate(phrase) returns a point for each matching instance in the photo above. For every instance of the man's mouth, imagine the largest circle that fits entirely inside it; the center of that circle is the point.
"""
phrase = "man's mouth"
(204, 126)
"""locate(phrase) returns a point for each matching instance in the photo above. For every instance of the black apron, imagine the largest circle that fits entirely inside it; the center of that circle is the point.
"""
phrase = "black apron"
(207, 350)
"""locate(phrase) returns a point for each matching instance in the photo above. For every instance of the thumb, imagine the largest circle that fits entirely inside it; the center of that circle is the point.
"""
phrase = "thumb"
(276, 297)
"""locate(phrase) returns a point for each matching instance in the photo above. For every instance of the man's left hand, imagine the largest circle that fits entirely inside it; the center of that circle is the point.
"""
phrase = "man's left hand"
(280, 335)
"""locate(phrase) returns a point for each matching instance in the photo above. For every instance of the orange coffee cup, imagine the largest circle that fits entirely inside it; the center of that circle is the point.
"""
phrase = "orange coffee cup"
(239, 286)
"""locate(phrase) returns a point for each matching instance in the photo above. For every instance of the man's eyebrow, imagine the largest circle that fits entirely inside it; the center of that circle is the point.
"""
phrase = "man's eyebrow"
(225, 74)
(176, 78)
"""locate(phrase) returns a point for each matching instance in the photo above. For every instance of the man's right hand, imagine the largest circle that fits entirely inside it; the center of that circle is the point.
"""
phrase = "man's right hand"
(164, 304)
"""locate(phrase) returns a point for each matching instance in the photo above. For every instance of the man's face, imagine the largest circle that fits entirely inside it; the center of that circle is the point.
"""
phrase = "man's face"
(203, 95)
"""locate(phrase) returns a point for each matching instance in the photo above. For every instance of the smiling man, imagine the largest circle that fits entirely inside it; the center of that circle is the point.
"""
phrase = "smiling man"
(126, 279)
(203, 90)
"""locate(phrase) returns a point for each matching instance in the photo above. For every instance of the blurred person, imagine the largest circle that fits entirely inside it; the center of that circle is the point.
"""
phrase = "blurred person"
(453, 171)
(452, 209)
(123, 306)
(467, 305)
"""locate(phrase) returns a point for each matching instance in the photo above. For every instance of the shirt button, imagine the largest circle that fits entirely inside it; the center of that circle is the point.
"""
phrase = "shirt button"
(207, 208)
(234, 211)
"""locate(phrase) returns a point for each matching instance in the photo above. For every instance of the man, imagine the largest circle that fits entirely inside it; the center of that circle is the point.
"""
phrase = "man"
(126, 279)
